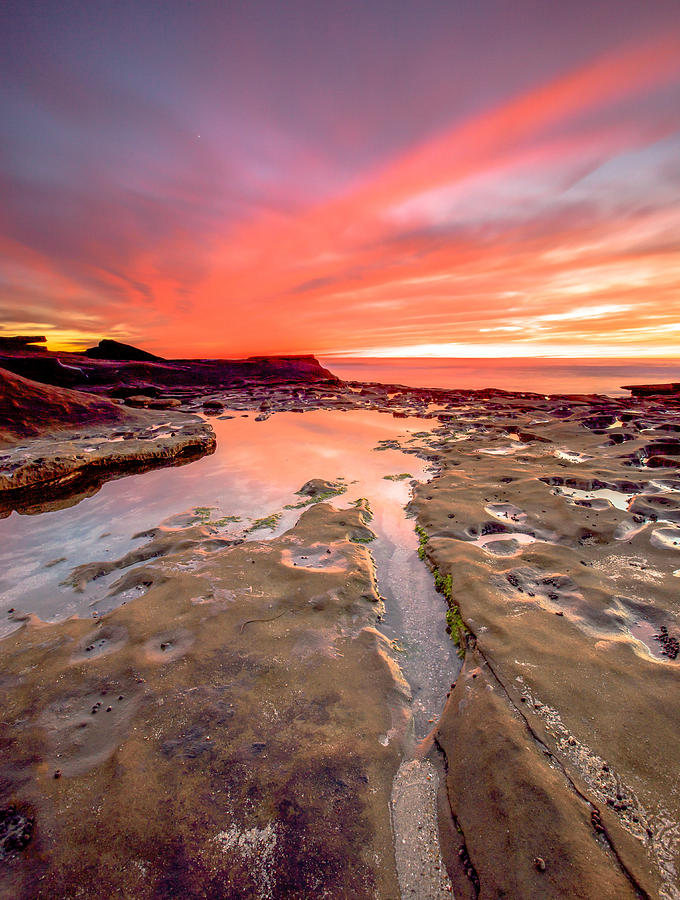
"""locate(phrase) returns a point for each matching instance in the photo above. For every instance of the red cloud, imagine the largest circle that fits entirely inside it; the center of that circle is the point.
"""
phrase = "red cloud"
(378, 266)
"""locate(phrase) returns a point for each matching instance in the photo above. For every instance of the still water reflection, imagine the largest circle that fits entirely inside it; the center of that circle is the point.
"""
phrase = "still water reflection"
(254, 473)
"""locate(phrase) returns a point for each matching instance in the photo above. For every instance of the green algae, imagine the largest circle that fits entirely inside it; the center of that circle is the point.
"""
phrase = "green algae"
(422, 541)
(270, 522)
(202, 515)
(364, 505)
(319, 498)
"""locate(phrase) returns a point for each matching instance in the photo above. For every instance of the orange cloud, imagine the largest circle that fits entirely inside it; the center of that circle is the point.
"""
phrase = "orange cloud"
(480, 235)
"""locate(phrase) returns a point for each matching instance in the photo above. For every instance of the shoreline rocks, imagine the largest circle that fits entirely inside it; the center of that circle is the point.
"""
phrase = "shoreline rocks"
(55, 441)
(44, 474)
(544, 525)
(559, 733)
(192, 758)
(123, 368)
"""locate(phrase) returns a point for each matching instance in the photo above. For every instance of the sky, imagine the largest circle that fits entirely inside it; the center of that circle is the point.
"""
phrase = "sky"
(342, 177)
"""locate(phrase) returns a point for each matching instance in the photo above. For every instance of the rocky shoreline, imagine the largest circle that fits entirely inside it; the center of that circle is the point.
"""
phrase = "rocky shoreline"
(551, 525)
(169, 749)
(57, 444)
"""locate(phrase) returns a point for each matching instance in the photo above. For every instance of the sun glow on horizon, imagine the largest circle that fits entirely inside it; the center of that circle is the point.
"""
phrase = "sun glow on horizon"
(501, 351)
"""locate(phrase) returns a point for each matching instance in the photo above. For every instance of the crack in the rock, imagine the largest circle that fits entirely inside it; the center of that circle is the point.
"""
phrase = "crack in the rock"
(593, 807)
(463, 853)
(601, 830)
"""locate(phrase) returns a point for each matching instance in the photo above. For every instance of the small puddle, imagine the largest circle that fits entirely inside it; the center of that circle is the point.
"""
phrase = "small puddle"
(572, 456)
(618, 499)
(507, 544)
(648, 635)
(503, 451)
(506, 512)
(666, 538)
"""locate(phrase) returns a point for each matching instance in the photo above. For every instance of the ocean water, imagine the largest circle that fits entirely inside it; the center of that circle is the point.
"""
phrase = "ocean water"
(541, 375)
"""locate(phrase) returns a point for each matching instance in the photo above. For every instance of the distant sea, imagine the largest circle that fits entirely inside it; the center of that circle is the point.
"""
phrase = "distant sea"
(541, 375)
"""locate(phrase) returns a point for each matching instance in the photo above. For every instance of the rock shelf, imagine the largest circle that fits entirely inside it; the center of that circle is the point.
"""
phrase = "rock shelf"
(551, 527)
(192, 758)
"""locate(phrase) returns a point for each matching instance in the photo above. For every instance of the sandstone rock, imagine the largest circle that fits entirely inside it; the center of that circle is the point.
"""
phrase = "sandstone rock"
(559, 735)
(165, 403)
(318, 486)
(70, 445)
(30, 409)
(195, 760)
(138, 400)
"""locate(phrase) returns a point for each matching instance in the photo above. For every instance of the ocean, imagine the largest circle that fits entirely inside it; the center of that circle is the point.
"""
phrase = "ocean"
(541, 375)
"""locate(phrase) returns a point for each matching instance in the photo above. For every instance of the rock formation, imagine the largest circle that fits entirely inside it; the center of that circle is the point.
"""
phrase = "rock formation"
(55, 441)
(112, 369)
(21, 342)
(651, 390)
(140, 751)
(108, 349)
(29, 409)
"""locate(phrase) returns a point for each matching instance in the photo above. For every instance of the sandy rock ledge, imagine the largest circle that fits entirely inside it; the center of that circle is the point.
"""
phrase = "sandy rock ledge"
(56, 442)
(169, 748)
(559, 556)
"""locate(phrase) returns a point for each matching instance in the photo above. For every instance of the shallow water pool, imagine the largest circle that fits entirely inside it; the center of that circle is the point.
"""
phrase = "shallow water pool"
(253, 475)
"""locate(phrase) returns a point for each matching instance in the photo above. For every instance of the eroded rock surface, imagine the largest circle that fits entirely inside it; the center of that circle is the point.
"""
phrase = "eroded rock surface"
(29, 410)
(170, 748)
(561, 732)
(55, 442)
(553, 529)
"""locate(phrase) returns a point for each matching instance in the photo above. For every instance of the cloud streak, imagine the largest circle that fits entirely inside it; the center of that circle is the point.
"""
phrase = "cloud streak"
(549, 216)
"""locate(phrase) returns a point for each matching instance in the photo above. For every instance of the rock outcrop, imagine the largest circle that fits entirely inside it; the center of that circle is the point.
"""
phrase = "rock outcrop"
(557, 554)
(651, 390)
(108, 349)
(55, 441)
(113, 370)
(29, 409)
(22, 342)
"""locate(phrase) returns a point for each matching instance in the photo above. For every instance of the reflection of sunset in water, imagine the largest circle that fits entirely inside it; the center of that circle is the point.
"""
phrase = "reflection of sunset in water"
(255, 472)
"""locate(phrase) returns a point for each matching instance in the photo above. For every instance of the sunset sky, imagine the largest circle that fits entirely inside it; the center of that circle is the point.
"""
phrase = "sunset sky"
(367, 177)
